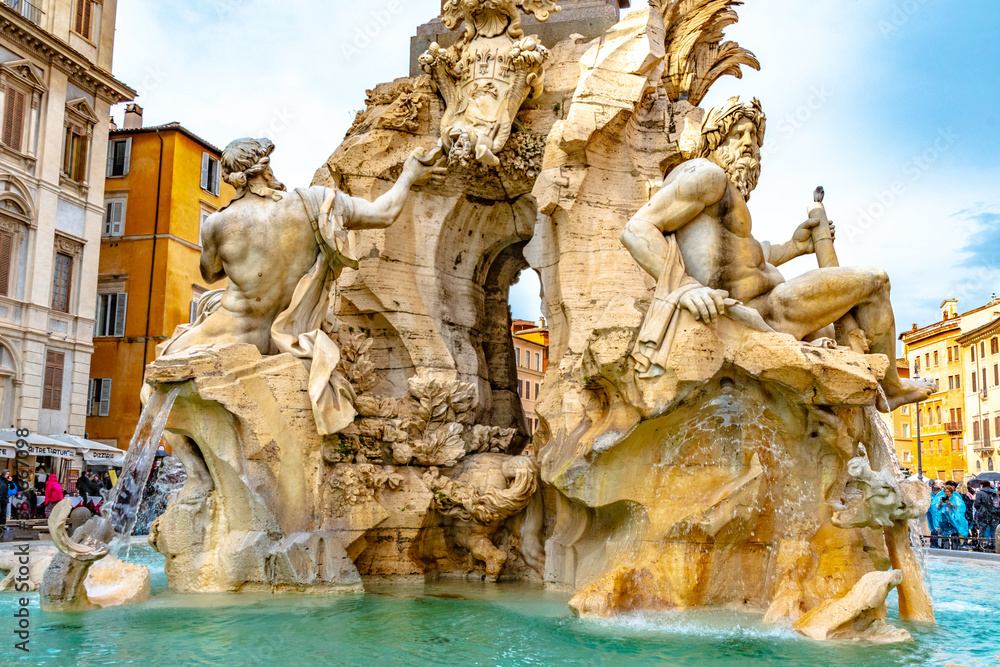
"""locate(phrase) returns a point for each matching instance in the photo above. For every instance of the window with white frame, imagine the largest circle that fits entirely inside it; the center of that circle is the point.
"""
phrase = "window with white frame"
(211, 174)
(114, 217)
(99, 403)
(119, 157)
(196, 293)
(111, 310)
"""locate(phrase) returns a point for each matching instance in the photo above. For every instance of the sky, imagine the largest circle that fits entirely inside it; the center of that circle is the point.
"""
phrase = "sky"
(892, 105)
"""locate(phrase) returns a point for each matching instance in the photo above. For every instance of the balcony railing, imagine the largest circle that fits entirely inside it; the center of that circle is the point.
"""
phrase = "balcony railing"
(980, 446)
(953, 427)
(26, 9)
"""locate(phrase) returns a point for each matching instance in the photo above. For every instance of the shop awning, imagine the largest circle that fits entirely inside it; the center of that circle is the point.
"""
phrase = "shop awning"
(94, 453)
(39, 445)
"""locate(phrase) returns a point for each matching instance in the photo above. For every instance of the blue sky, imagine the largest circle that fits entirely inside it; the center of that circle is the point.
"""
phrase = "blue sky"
(892, 105)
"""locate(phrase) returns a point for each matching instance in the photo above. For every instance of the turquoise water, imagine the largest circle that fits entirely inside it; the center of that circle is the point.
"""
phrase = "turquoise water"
(461, 623)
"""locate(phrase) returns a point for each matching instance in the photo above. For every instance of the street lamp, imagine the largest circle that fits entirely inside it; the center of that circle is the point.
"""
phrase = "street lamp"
(920, 458)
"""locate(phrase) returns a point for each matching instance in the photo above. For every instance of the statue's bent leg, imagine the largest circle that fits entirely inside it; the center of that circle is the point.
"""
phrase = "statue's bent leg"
(805, 304)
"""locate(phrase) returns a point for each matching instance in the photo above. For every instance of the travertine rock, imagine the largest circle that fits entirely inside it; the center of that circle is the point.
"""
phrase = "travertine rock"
(859, 615)
(111, 583)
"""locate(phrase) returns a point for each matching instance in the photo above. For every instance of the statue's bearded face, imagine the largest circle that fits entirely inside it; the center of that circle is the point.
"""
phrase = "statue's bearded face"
(739, 155)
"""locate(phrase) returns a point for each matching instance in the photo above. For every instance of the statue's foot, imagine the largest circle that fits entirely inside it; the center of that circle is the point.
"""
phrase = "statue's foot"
(908, 391)
(823, 342)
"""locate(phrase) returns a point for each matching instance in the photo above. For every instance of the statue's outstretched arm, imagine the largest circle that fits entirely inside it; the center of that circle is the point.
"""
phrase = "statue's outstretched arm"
(384, 210)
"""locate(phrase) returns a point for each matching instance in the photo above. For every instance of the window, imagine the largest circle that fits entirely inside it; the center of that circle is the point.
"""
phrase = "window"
(111, 310)
(52, 387)
(975, 431)
(952, 415)
(61, 276)
(936, 358)
(984, 380)
(996, 425)
(927, 360)
(536, 391)
(982, 349)
(99, 402)
(13, 118)
(958, 382)
(114, 218)
(75, 154)
(949, 355)
(972, 352)
(527, 391)
(906, 430)
(951, 382)
(939, 414)
(84, 17)
(211, 174)
(993, 346)
(996, 375)
(119, 157)
(517, 351)
(989, 464)
(538, 361)
(958, 414)
(520, 388)
(979, 466)
(6, 256)
(196, 293)
(916, 365)
(906, 409)
(974, 390)
(986, 431)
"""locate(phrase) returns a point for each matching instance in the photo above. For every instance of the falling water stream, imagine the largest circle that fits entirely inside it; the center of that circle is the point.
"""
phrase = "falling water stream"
(127, 494)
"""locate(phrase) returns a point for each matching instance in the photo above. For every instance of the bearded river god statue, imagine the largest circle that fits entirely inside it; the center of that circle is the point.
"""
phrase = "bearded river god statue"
(348, 407)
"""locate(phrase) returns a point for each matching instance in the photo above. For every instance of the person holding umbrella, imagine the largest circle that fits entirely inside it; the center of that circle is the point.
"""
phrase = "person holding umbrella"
(987, 506)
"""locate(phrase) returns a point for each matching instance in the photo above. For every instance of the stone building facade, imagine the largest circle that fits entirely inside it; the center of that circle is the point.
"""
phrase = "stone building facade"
(531, 356)
(56, 92)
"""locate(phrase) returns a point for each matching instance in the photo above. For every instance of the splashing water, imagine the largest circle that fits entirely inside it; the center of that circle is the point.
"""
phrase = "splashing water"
(167, 480)
(127, 495)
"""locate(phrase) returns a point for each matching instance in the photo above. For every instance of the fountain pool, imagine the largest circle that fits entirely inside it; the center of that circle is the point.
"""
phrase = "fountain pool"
(458, 622)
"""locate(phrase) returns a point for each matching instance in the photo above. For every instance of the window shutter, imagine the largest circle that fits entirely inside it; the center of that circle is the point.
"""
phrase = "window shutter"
(204, 171)
(79, 15)
(17, 126)
(120, 310)
(6, 249)
(87, 8)
(116, 218)
(105, 407)
(111, 158)
(57, 380)
(90, 396)
(217, 185)
(109, 209)
(128, 155)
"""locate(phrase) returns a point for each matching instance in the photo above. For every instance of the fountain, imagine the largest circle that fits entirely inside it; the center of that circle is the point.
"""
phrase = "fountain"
(703, 448)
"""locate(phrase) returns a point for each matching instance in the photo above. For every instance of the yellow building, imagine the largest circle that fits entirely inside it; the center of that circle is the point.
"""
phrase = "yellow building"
(531, 355)
(162, 182)
(900, 422)
(933, 353)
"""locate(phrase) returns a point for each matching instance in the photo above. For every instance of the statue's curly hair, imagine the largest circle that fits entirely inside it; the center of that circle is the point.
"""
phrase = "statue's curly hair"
(247, 158)
(720, 120)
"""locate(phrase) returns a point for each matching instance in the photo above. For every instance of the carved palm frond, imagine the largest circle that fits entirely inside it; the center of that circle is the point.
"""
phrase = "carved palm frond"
(696, 56)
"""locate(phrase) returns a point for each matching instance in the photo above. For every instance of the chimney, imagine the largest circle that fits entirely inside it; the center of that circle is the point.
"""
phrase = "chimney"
(133, 117)
(113, 125)
(914, 326)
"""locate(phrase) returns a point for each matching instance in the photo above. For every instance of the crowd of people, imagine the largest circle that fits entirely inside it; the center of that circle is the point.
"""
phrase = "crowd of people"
(964, 516)
(20, 500)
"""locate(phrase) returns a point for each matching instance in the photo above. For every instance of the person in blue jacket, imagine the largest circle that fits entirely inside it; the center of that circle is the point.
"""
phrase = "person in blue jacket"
(949, 515)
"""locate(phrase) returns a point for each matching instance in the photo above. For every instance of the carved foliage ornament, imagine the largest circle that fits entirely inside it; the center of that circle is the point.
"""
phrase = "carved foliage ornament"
(486, 77)
(696, 57)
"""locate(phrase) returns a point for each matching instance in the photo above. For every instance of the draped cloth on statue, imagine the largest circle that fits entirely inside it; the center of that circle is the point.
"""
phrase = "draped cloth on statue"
(656, 336)
(304, 329)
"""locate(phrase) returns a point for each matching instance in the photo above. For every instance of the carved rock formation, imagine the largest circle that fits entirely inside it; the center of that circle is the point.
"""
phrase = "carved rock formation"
(859, 615)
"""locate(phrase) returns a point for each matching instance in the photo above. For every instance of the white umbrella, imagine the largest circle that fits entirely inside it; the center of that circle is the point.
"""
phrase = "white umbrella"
(95, 453)
(40, 444)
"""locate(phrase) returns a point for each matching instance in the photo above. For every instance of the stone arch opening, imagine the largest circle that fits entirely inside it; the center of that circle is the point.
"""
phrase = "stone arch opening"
(495, 345)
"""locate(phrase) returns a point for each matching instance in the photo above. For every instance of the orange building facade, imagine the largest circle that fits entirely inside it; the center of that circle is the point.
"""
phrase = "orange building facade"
(162, 182)
(531, 355)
